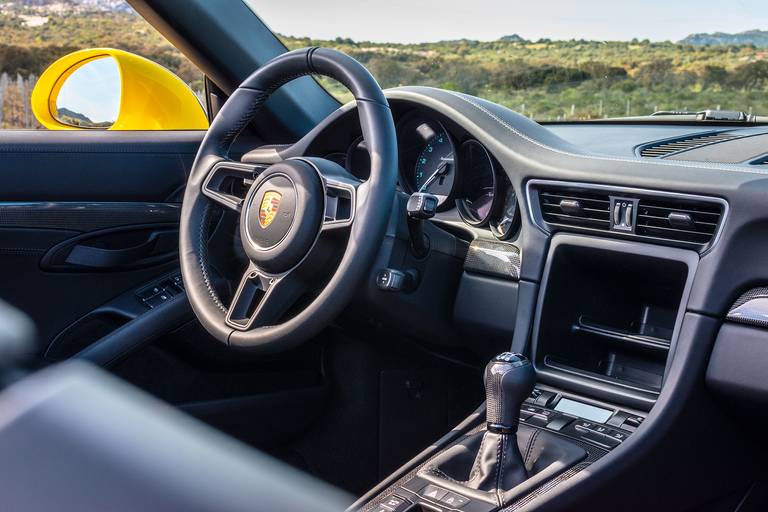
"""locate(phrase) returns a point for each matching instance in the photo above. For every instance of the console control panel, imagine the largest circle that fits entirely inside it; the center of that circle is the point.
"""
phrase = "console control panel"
(604, 427)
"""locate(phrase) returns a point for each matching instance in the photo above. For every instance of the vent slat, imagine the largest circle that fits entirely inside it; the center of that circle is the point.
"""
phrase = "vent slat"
(663, 222)
(653, 220)
(593, 214)
(660, 149)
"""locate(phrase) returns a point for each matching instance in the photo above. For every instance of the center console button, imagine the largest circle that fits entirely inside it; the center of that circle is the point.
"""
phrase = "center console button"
(454, 500)
(394, 504)
(433, 492)
(617, 419)
(600, 439)
(545, 398)
(530, 409)
(618, 435)
(559, 423)
(632, 422)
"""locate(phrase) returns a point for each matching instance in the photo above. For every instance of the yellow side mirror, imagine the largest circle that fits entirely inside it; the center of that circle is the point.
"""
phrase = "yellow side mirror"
(104, 88)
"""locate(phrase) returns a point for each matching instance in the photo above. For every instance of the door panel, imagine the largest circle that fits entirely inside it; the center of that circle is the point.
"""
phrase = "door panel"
(38, 165)
(86, 216)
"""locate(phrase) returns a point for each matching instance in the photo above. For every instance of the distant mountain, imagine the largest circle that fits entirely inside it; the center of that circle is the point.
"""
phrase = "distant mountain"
(514, 38)
(756, 37)
(44, 7)
(71, 115)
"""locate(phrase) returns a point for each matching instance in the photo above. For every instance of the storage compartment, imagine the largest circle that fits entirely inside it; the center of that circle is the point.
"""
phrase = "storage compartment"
(84, 332)
(608, 314)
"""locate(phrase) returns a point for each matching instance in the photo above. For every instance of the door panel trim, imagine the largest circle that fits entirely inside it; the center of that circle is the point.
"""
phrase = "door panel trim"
(86, 216)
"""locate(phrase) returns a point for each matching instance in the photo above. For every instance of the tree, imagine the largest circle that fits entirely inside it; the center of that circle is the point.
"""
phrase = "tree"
(655, 72)
(714, 75)
(752, 75)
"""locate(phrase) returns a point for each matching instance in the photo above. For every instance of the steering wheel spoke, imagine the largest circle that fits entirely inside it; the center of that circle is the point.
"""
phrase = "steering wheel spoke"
(228, 182)
(340, 203)
(262, 299)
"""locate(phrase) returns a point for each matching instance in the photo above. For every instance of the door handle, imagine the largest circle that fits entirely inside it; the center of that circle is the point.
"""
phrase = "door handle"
(97, 257)
(109, 249)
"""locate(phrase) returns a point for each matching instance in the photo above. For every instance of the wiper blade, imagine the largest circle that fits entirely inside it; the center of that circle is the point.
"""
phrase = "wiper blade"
(736, 116)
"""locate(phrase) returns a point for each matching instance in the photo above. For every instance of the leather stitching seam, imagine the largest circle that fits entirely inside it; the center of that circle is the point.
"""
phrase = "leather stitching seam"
(202, 260)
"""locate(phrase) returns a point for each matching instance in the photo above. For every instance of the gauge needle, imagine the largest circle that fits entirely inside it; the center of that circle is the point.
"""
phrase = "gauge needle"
(438, 172)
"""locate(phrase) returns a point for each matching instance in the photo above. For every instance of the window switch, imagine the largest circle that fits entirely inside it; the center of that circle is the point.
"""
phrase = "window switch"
(158, 299)
(149, 292)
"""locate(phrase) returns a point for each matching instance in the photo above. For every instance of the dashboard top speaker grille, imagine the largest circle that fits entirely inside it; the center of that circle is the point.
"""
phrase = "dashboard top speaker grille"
(668, 147)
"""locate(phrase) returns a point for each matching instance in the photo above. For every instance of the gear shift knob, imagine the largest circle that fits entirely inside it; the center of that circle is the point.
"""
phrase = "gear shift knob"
(509, 380)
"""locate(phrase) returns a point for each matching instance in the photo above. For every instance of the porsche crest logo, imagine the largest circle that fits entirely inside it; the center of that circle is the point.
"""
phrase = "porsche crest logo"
(268, 209)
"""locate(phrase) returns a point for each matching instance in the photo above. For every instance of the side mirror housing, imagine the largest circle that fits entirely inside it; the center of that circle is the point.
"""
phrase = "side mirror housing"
(105, 88)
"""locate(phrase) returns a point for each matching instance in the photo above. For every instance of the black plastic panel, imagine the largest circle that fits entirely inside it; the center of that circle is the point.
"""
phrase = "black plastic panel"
(486, 306)
(738, 363)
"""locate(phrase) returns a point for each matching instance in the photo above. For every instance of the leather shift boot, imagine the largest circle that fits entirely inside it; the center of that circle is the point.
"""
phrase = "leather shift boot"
(498, 464)
(498, 468)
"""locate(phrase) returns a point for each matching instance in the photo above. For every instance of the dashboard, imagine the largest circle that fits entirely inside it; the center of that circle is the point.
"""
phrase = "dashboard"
(511, 189)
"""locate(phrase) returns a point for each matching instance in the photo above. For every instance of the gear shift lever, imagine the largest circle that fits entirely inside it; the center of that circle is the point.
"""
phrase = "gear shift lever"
(509, 380)
(488, 465)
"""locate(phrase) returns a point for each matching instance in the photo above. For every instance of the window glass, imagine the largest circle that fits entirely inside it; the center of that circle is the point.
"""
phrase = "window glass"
(553, 59)
(37, 33)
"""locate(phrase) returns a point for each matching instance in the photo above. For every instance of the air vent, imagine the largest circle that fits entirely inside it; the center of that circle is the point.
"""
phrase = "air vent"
(661, 149)
(573, 207)
(691, 222)
(763, 160)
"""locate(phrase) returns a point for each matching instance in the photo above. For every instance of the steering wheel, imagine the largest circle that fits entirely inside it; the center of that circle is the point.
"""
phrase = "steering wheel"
(291, 210)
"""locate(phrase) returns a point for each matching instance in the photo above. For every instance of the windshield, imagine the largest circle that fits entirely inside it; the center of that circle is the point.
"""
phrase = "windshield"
(552, 60)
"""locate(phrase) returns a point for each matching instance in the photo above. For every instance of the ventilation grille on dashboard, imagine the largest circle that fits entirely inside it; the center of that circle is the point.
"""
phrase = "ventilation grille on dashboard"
(678, 221)
(661, 149)
(588, 209)
(681, 220)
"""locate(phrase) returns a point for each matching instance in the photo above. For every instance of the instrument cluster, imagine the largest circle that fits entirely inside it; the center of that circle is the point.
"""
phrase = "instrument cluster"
(459, 171)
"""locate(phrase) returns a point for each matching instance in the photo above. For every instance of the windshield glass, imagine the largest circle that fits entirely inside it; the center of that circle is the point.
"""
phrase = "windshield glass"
(552, 60)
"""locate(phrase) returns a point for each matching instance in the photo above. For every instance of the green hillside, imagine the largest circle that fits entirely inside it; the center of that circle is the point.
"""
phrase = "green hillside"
(574, 79)
(544, 79)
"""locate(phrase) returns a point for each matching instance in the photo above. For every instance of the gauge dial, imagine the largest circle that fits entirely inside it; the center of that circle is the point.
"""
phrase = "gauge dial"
(478, 183)
(434, 171)
(427, 157)
(505, 224)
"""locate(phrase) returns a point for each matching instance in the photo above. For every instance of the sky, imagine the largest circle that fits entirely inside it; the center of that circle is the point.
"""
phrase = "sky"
(93, 90)
(413, 21)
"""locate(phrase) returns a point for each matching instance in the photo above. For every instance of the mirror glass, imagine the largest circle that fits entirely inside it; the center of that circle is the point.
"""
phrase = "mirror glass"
(90, 96)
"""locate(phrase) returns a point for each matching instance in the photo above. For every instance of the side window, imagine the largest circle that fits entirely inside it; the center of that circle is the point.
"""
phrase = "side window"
(93, 64)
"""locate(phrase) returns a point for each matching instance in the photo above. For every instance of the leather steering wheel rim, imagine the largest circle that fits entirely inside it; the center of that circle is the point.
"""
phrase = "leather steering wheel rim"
(372, 204)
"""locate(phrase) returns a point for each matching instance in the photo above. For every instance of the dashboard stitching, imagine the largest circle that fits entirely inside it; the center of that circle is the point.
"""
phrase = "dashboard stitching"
(598, 157)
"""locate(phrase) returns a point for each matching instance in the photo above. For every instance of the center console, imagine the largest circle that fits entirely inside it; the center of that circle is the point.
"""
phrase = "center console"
(606, 319)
